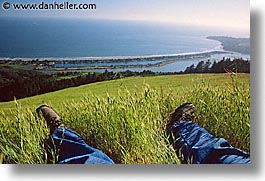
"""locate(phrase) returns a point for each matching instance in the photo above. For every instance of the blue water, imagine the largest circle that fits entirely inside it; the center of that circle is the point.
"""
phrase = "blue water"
(59, 38)
(75, 39)
(173, 67)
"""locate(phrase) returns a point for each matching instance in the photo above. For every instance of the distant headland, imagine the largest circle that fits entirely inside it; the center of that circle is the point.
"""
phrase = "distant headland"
(240, 45)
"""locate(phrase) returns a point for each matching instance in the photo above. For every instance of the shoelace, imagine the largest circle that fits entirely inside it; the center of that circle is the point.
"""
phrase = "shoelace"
(56, 122)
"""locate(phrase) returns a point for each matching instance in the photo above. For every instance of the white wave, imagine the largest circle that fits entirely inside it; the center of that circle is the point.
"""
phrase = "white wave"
(211, 51)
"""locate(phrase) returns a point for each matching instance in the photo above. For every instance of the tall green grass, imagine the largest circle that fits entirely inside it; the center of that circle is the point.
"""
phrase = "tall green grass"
(224, 111)
(22, 137)
(129, 126)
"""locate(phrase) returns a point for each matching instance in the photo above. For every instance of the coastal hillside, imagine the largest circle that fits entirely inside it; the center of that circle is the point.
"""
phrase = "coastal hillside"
(240, 45)
(126, 118)
(115, 71)
(172, 83)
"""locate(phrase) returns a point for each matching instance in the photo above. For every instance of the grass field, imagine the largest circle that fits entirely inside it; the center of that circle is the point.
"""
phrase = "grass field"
(126, 118)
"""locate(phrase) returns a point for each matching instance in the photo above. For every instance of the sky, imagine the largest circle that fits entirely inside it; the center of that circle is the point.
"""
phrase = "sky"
(214, 13)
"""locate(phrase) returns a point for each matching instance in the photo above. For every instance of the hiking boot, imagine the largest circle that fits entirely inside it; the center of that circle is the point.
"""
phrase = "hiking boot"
(185, 112)
(52, 118)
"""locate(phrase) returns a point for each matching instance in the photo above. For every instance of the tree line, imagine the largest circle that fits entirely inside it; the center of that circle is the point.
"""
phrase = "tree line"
(17, 83)
(235, 65)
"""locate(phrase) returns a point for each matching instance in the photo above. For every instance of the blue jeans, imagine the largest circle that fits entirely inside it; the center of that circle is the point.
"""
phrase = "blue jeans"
(72, 149)
(192, 143)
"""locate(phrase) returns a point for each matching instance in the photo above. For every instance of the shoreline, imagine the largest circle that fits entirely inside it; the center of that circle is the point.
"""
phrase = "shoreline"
(111, 63)
(215, 50)
(50, 64)
(116, 62)
(220, 49)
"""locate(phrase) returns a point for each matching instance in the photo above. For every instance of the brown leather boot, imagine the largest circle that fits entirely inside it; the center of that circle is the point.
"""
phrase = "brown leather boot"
(52, 118)
(185, 112)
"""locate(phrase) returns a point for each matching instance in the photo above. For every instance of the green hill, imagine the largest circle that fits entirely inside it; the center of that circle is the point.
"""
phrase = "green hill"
(126, 118)
(169, 82)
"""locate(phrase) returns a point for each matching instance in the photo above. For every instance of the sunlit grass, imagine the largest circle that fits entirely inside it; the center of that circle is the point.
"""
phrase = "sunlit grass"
(126, 118)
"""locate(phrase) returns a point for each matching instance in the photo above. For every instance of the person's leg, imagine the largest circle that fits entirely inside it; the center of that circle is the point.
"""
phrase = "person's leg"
(68, 146)
(194, 144)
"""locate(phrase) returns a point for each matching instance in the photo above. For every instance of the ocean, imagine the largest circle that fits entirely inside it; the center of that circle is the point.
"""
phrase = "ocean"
(73, 38)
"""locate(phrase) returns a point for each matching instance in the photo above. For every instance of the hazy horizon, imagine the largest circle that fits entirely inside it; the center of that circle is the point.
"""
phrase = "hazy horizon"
(224, 31)
(224, 14)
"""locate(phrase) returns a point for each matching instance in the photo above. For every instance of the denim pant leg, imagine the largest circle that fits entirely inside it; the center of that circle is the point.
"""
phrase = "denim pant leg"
(194, 144)
(72, 149)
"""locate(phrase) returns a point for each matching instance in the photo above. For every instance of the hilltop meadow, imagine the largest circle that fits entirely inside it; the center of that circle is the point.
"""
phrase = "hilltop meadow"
(126, 118)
